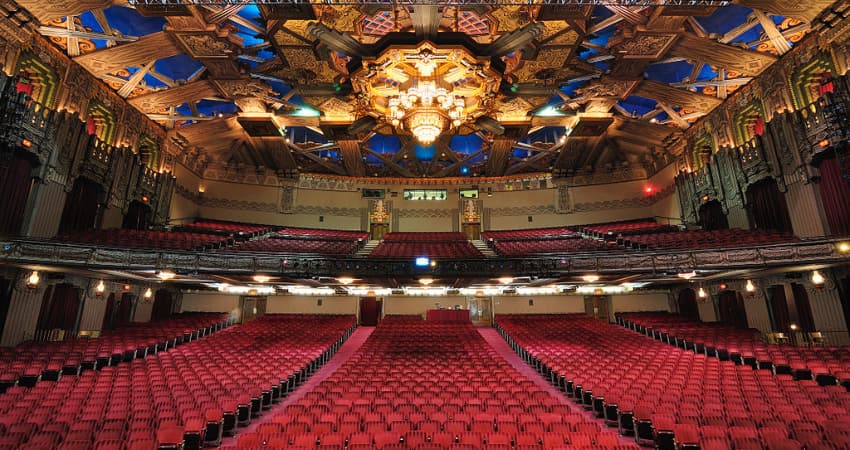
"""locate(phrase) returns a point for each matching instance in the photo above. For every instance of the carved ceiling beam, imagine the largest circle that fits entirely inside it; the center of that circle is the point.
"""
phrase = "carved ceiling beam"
(674, 116)
(135, 79)
(697, 27)
(426, 20)
(721, 76)
(132, 54)
(177, 117)
(352, 159)
(458, 164)
(73, 42)
(395, 167)
(168, 81)
(698, 84)
(776, 38)
(804, 10)
(100, 17)
(49, 10)
(730, 35)
(65, 32)
(500, 153)
(317, 159)
(534, 159)
(661, 92)
(698, 66)
(516, 40)
(219, 14)
(189, 92)
(632, 16)
(337, 41)
(787, 33)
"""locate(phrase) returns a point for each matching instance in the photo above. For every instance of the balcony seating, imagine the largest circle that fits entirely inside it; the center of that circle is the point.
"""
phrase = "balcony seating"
(173, 398)
(164, 240)
(241, 230)
(702, 239)
(629, 227)
(663, 394)
(310, 233)
(552, 246)
(306, 241)
(826, 365)
(421, 385)
(528, 234)
(434, 245)
(32, 362)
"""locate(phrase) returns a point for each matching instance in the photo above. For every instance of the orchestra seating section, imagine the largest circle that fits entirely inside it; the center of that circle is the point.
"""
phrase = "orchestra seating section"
(421, 385)
(674, 398)
(826, 365)
(185, 396)
(31, 362)
(235, 229)
(446, 245)
(306, 241)
(154, 239)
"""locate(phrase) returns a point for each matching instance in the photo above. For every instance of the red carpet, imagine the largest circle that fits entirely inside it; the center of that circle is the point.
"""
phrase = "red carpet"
(498, 343)
(348, 348)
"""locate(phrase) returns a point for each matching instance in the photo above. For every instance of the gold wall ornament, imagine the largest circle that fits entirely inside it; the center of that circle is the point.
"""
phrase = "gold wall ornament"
(426, 90)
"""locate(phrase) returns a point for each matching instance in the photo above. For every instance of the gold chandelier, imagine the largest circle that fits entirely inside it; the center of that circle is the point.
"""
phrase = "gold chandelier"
(426, 91)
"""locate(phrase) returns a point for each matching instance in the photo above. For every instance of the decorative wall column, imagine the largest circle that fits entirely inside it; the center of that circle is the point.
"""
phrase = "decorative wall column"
(45, 205)
(24, 307)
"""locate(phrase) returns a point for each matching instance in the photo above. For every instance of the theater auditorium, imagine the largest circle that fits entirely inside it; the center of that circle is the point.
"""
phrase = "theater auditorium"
(424, 224)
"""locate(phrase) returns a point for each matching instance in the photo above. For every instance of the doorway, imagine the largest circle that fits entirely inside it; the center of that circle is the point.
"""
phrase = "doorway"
(252, 307)
(598, 306)
(368, 311)
(378, 230)
(472, 231)
(480, 311)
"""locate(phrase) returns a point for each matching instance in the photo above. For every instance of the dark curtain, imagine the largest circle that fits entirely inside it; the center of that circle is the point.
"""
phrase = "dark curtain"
(804, 308)
(161, 308)
(5, 301)
(108, 322)
(767, 207)
(732, 311)
(835, 193)
(137, 217)
(688, 304)
(125, 308)
(778, 308)
(60, 309)
(368, 311)
(711, 216)
(15, 185)
(81, 207)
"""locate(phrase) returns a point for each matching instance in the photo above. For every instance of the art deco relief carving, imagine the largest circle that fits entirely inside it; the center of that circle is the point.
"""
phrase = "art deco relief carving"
(204, 45)
(647, 46)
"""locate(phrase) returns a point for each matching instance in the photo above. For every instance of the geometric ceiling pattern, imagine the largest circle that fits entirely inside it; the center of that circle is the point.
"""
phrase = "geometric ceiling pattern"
(582, 88)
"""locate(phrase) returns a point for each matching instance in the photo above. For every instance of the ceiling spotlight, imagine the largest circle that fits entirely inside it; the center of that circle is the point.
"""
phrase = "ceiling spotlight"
(818, 279)
(165, 275)
(345, 280)
(33, 279)
(590, 278)
(426, 281)
(506, 280)
(262, 278)
(750, 287)
(100, 288)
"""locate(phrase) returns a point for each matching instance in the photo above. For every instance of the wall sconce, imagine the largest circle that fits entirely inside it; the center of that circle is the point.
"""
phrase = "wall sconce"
(817, 279)
(201, 189)
(148, 294)
(100, 288)
(793, 327)
(33, 279)
(701, 293)
(126, 288)
(165, 275)
(750, 287)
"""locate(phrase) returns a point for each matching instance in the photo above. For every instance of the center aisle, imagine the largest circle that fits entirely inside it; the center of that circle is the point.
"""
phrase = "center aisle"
(504, 350)
(349, 348)
(418, 385)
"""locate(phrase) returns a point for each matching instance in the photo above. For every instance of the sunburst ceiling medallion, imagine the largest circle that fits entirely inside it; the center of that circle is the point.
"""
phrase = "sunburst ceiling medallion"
(426, 90)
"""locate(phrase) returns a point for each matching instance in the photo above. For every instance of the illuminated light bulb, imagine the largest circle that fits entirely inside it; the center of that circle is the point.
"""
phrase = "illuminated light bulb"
(590, 278)
(426, 281)
(843, 247)
(100, 288)
(33, 279)
(345, 280)
(817, 278)
(166, 275)
(262, 278)
(701, 293)
(687, 275)
(506, 280)
(750, 287)
(148, 294)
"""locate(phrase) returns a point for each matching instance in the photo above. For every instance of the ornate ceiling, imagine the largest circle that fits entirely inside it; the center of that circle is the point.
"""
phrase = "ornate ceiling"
(580, 89)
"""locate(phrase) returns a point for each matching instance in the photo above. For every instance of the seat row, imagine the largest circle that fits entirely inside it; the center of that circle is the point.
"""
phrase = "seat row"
(434, 249)
(435, 236)
(570, 245)
(31, 362)
(227, 228)
(701, 239)
(528, 234)
(675, 398)
(181, 398)
(123, 238)
(826, 365)
(638, 226)
(299, 246)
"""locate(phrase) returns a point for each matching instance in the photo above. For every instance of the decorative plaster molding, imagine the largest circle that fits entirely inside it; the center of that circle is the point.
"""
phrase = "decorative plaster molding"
(424, 213)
